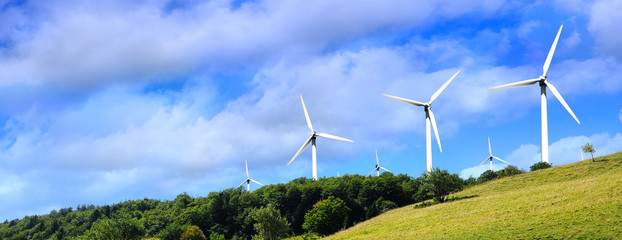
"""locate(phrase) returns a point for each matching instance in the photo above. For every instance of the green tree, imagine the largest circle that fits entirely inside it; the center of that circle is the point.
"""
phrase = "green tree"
(193, 233)
(589, 148)
(440, 183)
(509, 171)
(270, 224)
(115, 229)
(487, 176)
(327, 216)
(540, 165)
(470, 181)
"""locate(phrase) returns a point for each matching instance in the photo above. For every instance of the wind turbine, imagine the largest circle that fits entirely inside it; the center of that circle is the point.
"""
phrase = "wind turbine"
(542, 80)
(581, 151)
(311, 140)
(429, 118)
(248, 179)
(489, 158)
(378, 167)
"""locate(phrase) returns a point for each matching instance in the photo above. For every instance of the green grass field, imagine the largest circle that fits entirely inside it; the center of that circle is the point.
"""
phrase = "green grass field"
(578, 200)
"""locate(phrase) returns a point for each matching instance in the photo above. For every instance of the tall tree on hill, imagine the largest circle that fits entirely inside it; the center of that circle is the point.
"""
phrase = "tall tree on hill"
(589, 148)
(440, 183)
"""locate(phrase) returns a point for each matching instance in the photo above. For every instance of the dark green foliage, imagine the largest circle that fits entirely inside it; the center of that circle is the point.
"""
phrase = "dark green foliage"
(487, 176)
(509, 171)
(440, 183)
(227, 214)
(470, 181)
(327, 216)
(115, 229)
(270, 224)
(193, 233)
(540, 165)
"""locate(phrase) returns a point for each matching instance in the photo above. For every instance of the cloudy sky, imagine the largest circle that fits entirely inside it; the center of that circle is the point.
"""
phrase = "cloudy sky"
(106, 101)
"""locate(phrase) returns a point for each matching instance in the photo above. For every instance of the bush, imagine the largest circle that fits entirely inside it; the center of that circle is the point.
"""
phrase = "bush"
(487, 176)
(509, 171)
(440, 183)
(270, 224)
(540, 165)
(470, 181)
(115, 229)
(327, 216)
(193, 233)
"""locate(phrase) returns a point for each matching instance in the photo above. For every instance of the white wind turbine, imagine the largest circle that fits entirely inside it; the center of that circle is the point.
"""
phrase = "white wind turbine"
(542, 80)
(311, 140)
(429, 118)
(248, 179)
(378, 167)
(489, 158)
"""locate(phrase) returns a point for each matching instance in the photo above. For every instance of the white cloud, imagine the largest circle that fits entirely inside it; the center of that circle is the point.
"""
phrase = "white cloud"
(86, 45)
(605, 16)
(572, 41)
(566, 150)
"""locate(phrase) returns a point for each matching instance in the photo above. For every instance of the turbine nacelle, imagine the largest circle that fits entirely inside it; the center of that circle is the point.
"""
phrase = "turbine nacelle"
(544, 84)
(430, 120)
(311, 140)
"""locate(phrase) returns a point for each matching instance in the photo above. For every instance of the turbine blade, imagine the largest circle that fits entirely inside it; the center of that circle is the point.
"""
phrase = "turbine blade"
(489, 149)
(246, 168)
(547, 63)
(371, 172)
(241, 184)
(306, 114)
(377, 157)
(438, 140)
(412, 102)
(386, 169)
(256, 182)
(516, 84)
(301, 148)
(326, 135)
(500, 159)
(438, 92)
(488, 158)
(561, 100)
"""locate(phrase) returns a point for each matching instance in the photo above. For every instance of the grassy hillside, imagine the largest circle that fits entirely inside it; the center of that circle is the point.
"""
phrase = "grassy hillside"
(578, 200)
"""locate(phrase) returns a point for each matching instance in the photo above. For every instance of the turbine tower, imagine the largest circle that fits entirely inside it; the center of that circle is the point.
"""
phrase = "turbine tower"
(542, 80)
(311, 140)
(429, 118)
(489, 158)
(378, 167)
(248, 180)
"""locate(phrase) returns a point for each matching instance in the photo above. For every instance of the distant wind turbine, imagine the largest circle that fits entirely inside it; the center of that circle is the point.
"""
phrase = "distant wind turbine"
(489, 158)
(378, 167)
(581, 151)
(248, 179)
(542, 80)
(429, 118)
(311, 140)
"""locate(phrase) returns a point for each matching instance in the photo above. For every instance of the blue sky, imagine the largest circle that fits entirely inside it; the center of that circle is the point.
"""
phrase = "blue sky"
(106, 101)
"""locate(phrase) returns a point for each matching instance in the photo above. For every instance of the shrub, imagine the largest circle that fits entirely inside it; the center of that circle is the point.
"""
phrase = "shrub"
(193, 233)
(270, 224)
(327, 216)
(440, 183)
(487, 176)
(540, 165)
(509, 171)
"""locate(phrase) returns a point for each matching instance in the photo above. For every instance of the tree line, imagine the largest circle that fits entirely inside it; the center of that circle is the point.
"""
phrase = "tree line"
(302, 206)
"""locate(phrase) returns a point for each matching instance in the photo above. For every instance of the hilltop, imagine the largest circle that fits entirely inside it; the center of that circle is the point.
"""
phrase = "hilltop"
(578, 200)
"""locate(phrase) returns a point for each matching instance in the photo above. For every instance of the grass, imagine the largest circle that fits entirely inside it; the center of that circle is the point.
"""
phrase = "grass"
(578, 200)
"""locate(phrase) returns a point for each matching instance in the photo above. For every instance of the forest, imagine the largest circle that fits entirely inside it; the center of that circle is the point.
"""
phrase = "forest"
(301, 206)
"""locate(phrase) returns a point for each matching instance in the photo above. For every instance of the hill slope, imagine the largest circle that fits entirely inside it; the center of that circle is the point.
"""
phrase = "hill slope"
(578, 200)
